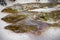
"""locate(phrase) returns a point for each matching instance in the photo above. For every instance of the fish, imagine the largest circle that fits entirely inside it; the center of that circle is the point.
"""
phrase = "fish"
(21, 28)
(36, 28)
(12, 18)
(53, 16)
(37, 16)
(57, 25)
(28, 26)
(31, 29)
(27, 6)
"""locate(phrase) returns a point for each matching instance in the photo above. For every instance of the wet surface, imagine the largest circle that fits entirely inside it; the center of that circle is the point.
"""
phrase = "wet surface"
(51, 34)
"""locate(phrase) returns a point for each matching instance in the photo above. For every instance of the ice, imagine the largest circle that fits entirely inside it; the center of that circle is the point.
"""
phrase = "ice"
(50, 34)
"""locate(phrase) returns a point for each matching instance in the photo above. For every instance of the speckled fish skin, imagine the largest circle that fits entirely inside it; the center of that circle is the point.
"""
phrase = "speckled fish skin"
(45, 16)
(28, 6)
(54, 15)
(41, 5)
(56, 25)
(13, 18)
(28, 26)
(22, 28)
(31, 29)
